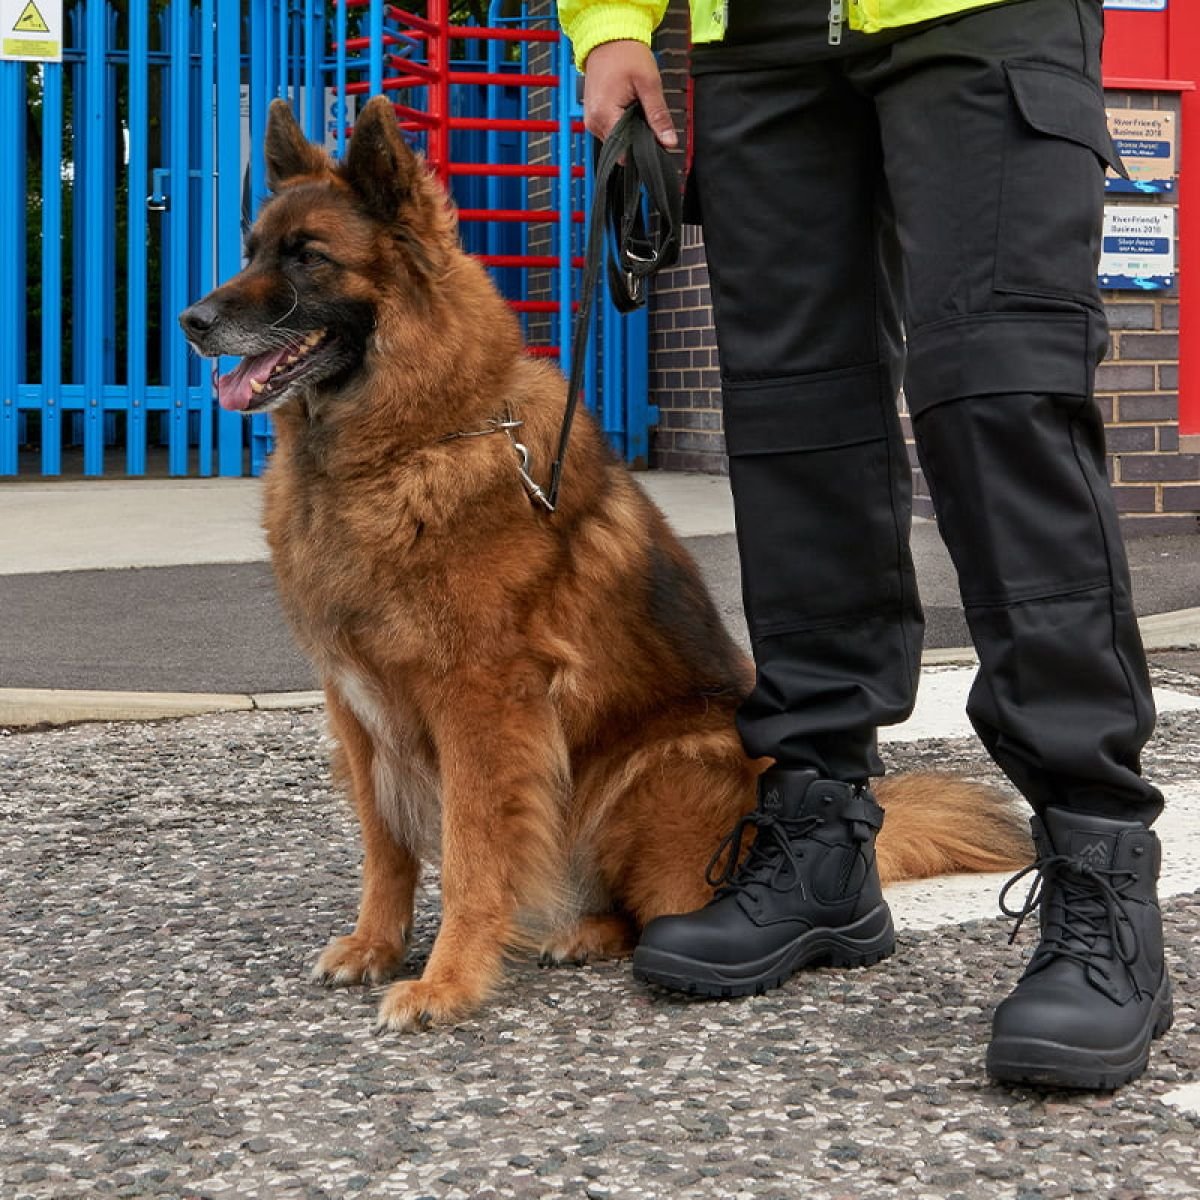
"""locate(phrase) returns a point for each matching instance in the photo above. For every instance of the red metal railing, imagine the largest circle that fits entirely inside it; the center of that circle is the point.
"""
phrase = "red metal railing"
(416, 60)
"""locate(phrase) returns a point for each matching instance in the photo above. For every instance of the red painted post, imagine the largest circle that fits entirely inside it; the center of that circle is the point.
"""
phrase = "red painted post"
(1183, 63)
(1160, 52)
(439, 89)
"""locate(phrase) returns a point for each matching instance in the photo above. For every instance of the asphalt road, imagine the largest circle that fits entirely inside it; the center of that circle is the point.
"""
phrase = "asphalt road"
(218, 628)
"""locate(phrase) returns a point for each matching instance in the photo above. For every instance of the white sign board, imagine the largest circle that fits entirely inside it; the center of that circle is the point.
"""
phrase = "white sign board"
(1138, 250)
(31, 30)
(1145, 140)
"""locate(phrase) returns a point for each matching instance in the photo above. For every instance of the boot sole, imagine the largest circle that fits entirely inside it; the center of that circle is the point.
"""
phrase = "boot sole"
(1039, 1063)
(868, 941)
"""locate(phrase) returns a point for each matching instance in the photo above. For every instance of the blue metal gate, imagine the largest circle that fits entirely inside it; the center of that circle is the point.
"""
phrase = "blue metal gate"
(126, 175)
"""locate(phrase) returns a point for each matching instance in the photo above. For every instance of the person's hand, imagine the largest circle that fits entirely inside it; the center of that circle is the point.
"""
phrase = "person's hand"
(615, 75)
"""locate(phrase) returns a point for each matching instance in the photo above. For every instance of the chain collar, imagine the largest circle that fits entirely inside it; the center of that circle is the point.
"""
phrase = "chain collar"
(508, 424)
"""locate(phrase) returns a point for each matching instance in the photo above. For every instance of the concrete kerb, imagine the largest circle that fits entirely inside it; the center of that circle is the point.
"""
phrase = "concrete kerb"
(24, 707)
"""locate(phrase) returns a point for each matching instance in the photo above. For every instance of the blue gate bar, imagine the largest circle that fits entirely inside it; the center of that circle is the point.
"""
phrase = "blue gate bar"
(375, 32)
(109, 244)
(52, 327)
(12, 229)
(611, 415)
(204, 224)
(92, 128)
(136, 251)
(263, 87)
(229, 204)
(640, 414)
(179, 216)
(314, 28)
(283, 49)
(340, 105)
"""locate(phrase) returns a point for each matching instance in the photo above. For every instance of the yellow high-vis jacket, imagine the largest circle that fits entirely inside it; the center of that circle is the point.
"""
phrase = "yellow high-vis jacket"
(589, 22)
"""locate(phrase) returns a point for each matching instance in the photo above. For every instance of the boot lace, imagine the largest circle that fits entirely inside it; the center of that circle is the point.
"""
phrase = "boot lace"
(770, 852)
(1092, 903)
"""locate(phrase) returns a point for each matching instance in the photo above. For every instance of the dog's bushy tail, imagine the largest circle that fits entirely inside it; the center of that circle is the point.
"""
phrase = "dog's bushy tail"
(939, 824)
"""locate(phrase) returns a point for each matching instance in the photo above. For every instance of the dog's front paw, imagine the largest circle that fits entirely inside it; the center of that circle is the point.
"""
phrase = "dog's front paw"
(358, 959)
(415, 1005)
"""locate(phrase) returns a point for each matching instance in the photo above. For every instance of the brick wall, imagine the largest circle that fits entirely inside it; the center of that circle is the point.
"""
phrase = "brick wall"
(685, 380)
(1137, 387)
(1157, 487)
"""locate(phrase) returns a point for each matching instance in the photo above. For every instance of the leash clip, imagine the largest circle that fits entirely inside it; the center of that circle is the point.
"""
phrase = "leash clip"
(535, 492)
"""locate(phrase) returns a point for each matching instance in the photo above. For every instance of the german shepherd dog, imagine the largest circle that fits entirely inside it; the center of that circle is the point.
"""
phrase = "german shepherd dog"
(547, 700)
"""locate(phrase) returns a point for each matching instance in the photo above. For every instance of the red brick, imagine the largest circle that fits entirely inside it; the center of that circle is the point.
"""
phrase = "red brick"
(1124, 377)
(1147, 347)
(1160, 407)
(690, 439)
(1181, 499)
(1130, 438)
(1159, 468)
(1130, 316)
(1134, 498)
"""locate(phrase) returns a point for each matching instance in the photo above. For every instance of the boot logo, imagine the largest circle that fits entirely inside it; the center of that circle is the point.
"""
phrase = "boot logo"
(1094, 854)
(772, 801)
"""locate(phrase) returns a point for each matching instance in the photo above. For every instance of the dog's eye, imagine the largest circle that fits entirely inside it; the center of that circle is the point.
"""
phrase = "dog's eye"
(308, 257)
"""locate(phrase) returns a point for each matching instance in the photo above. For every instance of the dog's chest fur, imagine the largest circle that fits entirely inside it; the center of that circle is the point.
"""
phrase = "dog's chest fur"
(346, 556)
(403, 770)
(346, 601)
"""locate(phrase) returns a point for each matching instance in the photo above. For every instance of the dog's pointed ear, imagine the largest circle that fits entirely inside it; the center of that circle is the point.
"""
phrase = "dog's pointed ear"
(380, 166)
(288, 152)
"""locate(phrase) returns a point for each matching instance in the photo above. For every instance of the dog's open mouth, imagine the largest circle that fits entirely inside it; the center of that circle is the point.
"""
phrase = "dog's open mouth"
(260, 378)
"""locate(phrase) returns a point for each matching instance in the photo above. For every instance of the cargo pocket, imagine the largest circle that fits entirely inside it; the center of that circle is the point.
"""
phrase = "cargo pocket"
(815, 477)
(1052, 192)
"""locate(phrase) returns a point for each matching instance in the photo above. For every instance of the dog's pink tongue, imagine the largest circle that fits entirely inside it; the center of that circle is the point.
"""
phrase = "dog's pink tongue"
(234, 391)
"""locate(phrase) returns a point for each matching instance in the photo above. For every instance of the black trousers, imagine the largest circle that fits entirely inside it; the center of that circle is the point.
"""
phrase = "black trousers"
(940, 197)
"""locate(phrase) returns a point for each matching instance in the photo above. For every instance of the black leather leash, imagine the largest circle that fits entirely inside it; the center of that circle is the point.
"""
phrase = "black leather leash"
(636, 251)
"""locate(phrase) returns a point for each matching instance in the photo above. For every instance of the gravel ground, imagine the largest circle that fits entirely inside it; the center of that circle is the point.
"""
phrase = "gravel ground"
(164, 889)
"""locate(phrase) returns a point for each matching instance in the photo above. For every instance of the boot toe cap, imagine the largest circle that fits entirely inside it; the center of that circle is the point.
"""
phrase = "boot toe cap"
(1070, 1013)
(691, 935)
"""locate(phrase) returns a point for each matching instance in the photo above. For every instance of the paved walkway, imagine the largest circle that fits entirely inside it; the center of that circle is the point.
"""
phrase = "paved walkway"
(127, 598)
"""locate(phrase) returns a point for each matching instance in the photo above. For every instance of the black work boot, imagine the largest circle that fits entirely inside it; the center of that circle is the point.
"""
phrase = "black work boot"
(1096, 991)
(807, 893)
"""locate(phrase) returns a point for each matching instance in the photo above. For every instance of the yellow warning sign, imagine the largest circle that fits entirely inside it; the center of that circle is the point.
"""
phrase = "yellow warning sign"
(31, 30)
(31, 21)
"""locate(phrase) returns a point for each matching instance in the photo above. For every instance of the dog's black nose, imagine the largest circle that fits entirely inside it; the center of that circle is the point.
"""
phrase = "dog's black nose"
(199, 318)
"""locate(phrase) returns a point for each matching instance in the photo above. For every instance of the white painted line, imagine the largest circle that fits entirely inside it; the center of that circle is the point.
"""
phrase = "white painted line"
(942, 700)
(949, 899)
(1186, 1097)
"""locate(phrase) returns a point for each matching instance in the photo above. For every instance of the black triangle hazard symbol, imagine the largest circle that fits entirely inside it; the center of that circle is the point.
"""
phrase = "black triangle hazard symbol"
(31, 21)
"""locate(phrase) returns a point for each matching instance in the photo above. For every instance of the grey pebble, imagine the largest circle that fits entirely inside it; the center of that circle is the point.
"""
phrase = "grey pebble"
(164, 889)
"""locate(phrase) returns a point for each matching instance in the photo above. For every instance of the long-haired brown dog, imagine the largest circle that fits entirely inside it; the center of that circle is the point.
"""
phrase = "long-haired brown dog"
(547, 699)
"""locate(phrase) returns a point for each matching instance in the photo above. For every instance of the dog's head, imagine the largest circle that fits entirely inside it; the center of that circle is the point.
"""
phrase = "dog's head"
(334, 243)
